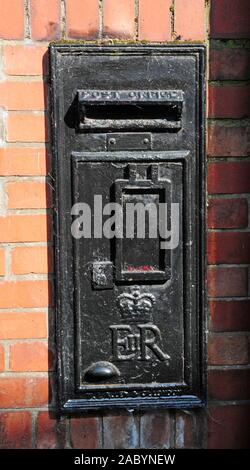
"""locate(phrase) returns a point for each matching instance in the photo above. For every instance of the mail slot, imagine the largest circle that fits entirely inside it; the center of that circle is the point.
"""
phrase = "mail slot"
(128, 156)
(130, 109)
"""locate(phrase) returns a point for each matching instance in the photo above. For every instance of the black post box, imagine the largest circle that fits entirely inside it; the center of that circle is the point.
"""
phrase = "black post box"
(128, 153)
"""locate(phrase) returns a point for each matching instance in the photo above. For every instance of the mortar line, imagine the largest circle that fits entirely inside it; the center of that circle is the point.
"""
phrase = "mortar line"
(11, 341)
(34, 415)
(102, 431)
(7, 356)
(100, 29)
(173, 430)
(23, 408)
(228, 333)
(172, 19)
(229, 195)
(221, 159)
(33, 244)
(229, 230)
(229, 265)
(67, 434)
(227, 402)
(27, 28)
(137, 12)
(229, 367)
(140, 415)
(15, 310)
(227, 299)
(8, 273)
(63, 19)
(229, 43)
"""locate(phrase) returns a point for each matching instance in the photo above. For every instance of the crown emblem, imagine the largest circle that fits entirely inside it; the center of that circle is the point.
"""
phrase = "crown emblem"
(136, 307)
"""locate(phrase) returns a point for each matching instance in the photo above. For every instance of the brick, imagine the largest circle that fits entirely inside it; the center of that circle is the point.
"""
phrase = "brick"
(228, 141)
(228, 247)
(27, 127)
(155, 20)
(229, 101)
(85, 433)
(28, 194)
(23, 96)
(45, 19)
(25, 294)
(50, 431)
(82, 18)
(25, 60)
(229, 384)
(228, 427)
(227, 213)
(230, 177)
(23, 325)
(230, 315)
(25, 228)
(229, 64)
(12, 19)
(32, 259)
(229, 19)
(155, 432)
(228, 349)
(120, 432)
(15, 430)
(2, 358)
(227, 282)
(24, 161)
(16, 392)
(189, 19)
(2, 262)
(119, 18)
(30, 357)
(188, 434)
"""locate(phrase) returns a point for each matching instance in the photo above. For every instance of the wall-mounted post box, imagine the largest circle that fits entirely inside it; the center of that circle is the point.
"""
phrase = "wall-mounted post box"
(128, 152)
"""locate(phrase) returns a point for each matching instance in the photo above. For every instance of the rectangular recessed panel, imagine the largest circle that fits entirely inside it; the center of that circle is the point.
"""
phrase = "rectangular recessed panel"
(142, 196)
(140, 247)
(130, 326)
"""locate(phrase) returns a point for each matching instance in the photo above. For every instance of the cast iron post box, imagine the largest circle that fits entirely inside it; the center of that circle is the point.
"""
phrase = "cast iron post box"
(128, 152)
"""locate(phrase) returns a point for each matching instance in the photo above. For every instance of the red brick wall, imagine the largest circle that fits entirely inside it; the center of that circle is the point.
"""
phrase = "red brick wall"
(27, 363)
(228, 221)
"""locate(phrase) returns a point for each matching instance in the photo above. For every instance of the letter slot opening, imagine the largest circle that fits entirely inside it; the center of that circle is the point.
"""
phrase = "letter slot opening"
(130, 109)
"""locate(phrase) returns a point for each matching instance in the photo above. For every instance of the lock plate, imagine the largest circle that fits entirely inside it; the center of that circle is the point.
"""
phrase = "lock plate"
(129, 141)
